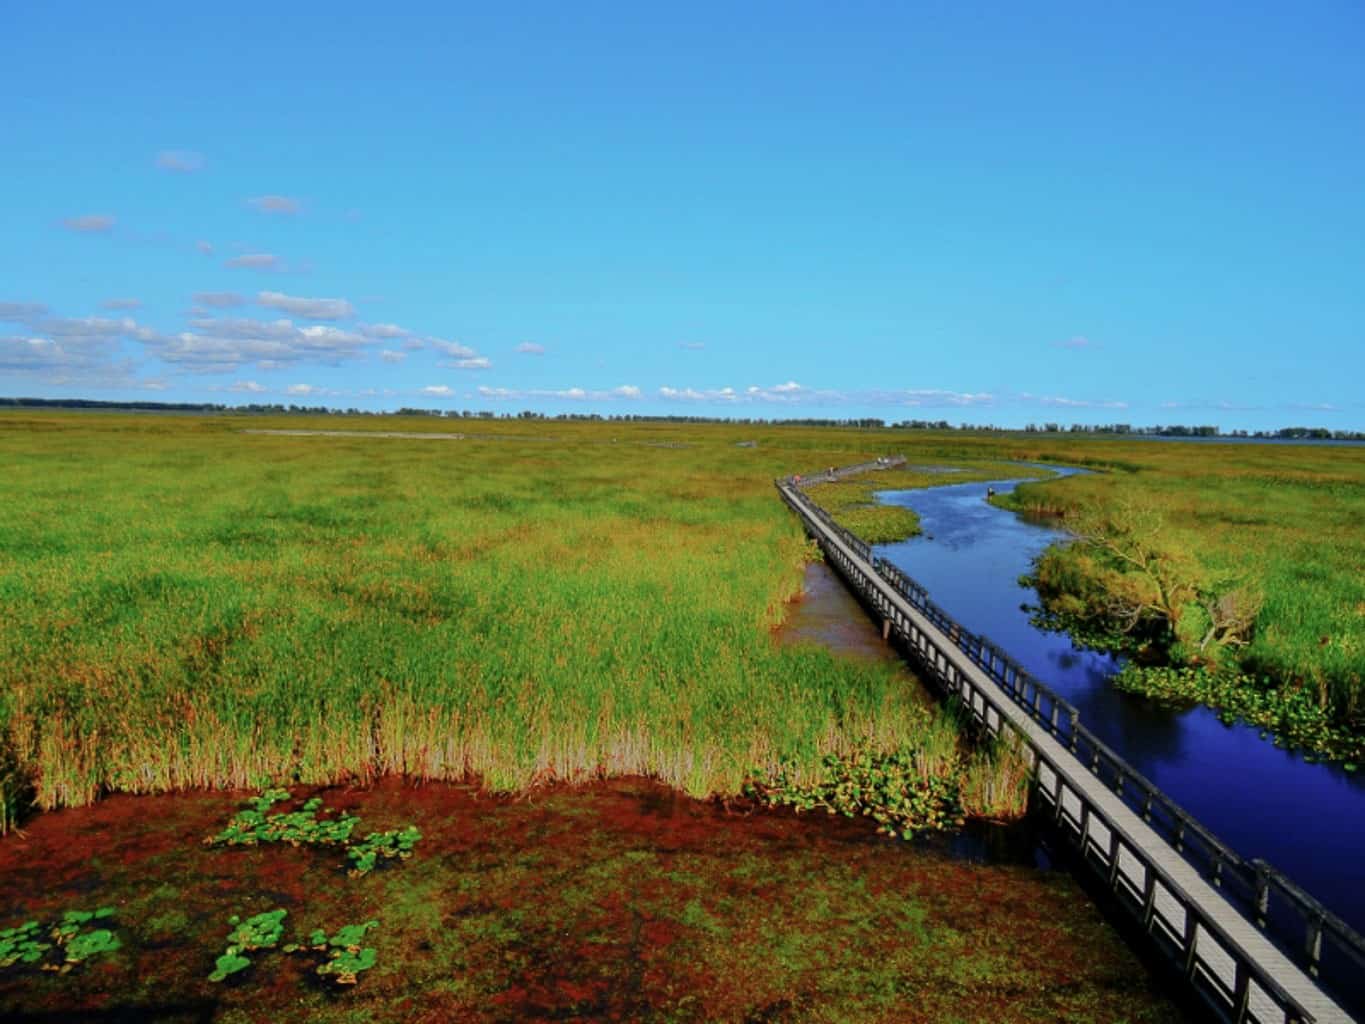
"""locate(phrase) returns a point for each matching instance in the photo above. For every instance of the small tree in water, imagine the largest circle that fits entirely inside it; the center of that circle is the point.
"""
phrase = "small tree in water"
(1125, 583)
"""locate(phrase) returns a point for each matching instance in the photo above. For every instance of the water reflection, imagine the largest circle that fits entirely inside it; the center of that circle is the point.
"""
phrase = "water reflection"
(1306, 819)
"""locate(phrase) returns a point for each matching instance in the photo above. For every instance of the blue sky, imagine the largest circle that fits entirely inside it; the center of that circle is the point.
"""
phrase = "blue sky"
(982, 213)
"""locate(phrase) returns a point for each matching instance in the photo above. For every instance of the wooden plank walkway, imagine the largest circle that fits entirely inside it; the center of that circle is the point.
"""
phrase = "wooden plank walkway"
(1232, 965)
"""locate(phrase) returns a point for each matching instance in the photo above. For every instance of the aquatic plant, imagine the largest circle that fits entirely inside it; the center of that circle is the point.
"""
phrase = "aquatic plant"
(347, 957)
(260, 931)
(24, 944)
(84, 945)
(303, 827)
(306, 827)
(378, 846)
(1290, 712)
(894, 790)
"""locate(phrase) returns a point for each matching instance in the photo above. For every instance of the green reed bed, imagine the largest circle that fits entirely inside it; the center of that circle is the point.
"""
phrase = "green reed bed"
(188, 606)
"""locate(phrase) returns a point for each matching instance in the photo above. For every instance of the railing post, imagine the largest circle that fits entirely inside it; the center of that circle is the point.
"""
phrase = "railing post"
(1241, 992)
(1262, 893)
(1191, 923)
(1313, 944)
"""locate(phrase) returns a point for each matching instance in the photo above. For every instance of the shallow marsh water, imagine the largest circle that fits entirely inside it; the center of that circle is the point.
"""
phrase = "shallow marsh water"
(617, 901)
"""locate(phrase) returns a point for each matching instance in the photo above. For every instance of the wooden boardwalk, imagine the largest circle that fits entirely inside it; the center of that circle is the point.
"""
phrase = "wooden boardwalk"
(1237, 971)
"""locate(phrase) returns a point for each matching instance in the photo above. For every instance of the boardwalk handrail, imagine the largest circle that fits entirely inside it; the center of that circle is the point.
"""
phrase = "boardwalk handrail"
(1298, 924)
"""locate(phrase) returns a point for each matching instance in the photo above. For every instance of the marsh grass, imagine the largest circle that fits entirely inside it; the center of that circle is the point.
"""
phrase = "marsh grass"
(190, 607)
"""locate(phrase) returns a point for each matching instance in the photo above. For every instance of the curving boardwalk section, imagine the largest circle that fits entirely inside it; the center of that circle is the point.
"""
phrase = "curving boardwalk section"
(1230, 962)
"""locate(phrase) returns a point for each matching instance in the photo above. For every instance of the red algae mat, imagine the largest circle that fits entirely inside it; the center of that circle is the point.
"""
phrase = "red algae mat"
(619, 901)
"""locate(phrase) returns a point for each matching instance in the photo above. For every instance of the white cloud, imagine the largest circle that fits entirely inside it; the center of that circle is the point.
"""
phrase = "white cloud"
(530, 348)
(692, 346)
(438, 391)
(683, 394)
(217, 345)
(180, 161)
(302, 389)
(574, 394)
(312, 309)
(788, 392)
(453, 349)
(89, 359)
(255, 261)
(384, 332)
(92, 328)
(21, 312)
(90, 224)
(934, 397)
(219, 300)
(390, 356)
(1058, 401)
(475, 363)
(249, 386)
(286, 205)
(121, 303)
(1077, 343)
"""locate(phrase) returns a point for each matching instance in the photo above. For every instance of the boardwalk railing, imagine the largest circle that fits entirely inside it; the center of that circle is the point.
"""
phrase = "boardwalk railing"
(1176, 876)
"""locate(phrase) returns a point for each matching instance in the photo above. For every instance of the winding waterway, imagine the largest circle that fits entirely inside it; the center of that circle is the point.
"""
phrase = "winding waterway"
(1308, 820)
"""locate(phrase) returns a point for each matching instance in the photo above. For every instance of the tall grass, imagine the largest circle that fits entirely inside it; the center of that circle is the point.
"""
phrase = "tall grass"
(188, 607)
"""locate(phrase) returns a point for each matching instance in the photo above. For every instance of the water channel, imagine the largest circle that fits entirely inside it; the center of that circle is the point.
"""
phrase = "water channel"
(1308, 820)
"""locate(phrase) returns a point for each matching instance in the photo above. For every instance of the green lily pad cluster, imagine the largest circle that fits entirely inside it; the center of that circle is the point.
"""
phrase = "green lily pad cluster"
(29, 944)
(303, 827)
(22, 944)
(1289, 710)
(262, 931)
(396, 844)
(308, 826)
(346, 955)
(891, 789)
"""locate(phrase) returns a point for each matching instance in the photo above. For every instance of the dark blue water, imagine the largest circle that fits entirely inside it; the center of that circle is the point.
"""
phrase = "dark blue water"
(1308, 820)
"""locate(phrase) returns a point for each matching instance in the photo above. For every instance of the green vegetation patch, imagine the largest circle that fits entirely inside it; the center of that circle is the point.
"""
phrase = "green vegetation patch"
(1291, 713)
(1234, 575)
(307, 826)
(69, 940)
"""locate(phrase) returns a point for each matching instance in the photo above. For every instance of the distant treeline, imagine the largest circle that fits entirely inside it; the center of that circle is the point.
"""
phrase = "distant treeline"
(276, 409)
